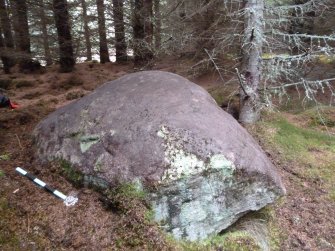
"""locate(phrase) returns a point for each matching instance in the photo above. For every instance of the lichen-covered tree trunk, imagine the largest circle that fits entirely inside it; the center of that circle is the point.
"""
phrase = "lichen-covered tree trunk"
(44, 29)
(20, 15)
(251, 61)
(66, 58)
(158, 24)
(104, 55)
(86, 32)
(120, 38)
(8, 41)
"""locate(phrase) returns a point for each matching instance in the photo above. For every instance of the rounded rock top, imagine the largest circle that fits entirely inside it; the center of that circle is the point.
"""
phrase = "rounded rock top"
(160, 129)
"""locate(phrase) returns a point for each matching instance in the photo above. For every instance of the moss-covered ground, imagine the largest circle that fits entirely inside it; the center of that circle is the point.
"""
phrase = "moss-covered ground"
(303, 148)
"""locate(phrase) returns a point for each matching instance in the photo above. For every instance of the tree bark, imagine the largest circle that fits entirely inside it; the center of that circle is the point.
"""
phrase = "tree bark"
(11, 6)
(158, 24)
(120, 38)
(8, 41)
(86, 32)
(104, 55)
(143, 31)
(3, 57)
(148, 27)
(44, 28)
(66, 58)
(21, 27)
(138, 31)
(251, 61)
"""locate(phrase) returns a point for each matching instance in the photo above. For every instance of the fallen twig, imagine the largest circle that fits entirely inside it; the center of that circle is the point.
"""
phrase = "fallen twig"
(18, 139)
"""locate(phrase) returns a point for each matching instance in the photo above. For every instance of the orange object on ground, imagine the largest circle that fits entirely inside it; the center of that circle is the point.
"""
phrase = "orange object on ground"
(13, 105)
(5, 102)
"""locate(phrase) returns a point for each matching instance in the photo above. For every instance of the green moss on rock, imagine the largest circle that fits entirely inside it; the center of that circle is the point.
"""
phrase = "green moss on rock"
(70, 173)
(125, 197)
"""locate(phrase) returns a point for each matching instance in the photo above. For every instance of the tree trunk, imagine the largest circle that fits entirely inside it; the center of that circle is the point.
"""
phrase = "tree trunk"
(138, 31)
(86, 32)
(4, 59)
(11, 6)
(143, 31)
(8, 41)
(148, 27)
(66, 58)
(120, 38)
(44, 28)
(158, 24)
(251, 62)
(20, 16)
(104, 55)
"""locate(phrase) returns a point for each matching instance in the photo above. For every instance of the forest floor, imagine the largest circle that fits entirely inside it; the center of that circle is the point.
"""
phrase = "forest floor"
(301, 143)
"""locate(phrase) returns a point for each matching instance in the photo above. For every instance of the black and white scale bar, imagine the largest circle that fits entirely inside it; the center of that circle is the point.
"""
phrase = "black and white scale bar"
(41, 183)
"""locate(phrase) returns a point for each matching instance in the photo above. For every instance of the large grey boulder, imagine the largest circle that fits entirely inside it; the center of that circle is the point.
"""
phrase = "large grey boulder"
(201, 169)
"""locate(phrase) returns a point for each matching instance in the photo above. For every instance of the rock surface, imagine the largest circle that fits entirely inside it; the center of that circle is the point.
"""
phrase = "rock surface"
(201, 169)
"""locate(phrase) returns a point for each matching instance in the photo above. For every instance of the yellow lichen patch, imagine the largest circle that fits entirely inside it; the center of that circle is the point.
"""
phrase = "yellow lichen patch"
(272, 55)
(326, 59)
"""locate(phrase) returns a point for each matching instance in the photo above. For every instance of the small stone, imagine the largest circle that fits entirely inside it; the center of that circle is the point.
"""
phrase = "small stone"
(325, 244)
(295, 219)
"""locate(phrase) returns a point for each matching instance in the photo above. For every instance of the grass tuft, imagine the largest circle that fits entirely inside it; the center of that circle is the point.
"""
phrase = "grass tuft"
(70, 82)
(5, 156)
(231, 241)
(22, 83)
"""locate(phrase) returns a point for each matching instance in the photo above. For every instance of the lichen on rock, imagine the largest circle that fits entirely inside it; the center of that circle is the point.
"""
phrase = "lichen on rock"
(196, 207)
(183, 164)
(87, 141)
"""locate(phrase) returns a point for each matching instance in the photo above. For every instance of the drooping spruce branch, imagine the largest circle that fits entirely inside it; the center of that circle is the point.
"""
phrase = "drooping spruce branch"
(327, 82)
(306, 36)
(310, 5)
